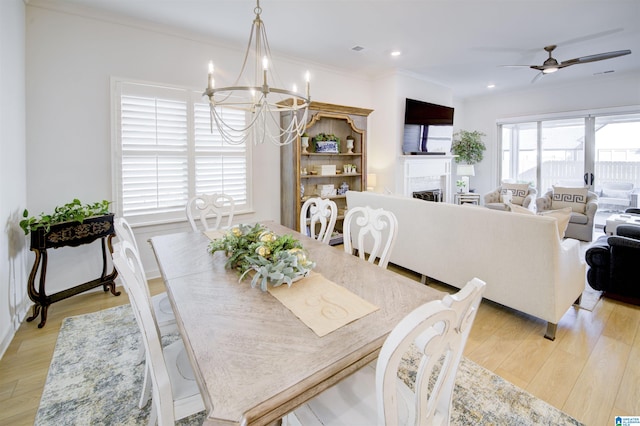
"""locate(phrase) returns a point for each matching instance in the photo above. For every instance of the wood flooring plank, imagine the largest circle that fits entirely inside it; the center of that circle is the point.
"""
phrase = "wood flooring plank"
(527, 359)
(556, 377)
(594, 393)
(622, 324)
(628, 397)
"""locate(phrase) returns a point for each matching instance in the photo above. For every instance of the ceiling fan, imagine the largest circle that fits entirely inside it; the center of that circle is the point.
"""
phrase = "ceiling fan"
(551, 65)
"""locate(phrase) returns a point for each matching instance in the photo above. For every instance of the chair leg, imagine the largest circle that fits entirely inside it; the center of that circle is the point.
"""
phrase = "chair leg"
(551, 331)
(146, 389)
(423, 279)
(153, 414)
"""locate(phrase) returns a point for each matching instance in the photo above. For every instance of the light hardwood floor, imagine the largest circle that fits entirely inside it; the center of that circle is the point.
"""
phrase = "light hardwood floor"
(591, 371)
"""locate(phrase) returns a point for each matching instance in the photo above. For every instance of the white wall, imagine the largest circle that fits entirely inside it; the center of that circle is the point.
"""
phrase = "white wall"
(13, 296)
(387, 122)
(482, 113)
(70, 60)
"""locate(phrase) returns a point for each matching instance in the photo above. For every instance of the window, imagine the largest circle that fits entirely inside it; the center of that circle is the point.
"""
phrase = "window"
(165, 152)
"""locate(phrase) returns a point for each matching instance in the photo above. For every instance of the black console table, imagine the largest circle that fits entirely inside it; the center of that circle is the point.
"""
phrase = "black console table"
(69, 234)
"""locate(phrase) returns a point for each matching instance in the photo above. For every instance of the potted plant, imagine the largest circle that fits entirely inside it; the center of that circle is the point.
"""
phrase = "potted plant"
(468, 146)
(74, 211)
(327, 143)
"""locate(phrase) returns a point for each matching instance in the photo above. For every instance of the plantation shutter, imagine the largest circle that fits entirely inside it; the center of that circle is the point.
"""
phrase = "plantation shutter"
(166, 153)
(219, 167)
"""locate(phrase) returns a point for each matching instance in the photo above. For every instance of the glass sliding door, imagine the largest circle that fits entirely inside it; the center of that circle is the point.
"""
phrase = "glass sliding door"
(617, 163)
(562, 153)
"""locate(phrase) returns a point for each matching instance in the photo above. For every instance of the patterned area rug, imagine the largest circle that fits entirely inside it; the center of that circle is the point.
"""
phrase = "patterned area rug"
(93, 380)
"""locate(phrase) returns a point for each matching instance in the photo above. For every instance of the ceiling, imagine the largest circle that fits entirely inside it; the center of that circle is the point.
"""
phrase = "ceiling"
(457, 43)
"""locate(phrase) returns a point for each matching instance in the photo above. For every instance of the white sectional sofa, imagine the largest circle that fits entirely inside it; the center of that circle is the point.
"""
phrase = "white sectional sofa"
(525, 264)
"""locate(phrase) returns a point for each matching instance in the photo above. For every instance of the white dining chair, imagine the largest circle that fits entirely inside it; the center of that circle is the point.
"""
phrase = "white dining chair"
(435, 333)
(175, 393)
(371, 231)
(318, 211)
(162, 310)
(211, 207)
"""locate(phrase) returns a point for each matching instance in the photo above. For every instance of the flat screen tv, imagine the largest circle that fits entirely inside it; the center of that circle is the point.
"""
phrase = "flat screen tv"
(428, 128)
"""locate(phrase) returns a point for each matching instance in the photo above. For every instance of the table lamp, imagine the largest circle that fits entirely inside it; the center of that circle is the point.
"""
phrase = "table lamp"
(465, 170)
(371, 181)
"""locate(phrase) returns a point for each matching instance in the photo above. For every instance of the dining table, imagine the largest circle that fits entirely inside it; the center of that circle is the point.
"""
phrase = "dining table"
(253, 359)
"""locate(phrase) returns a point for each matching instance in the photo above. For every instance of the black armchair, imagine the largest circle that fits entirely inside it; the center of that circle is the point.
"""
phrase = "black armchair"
(613, 261)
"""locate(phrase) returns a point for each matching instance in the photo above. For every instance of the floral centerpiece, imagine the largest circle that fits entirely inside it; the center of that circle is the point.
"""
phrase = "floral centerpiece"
(255, 249)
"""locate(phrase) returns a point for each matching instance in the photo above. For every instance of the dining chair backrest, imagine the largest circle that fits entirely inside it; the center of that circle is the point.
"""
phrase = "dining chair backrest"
(211, 208)
(439, 331)
(164, 408)
(124, 232)
(128, 264)
(372, 231)
(318, 211)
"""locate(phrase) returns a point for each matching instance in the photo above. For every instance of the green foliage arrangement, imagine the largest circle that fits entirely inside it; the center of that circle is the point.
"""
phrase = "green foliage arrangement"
(74, 211)
(326, 137)
(468, 146)
(271, 258)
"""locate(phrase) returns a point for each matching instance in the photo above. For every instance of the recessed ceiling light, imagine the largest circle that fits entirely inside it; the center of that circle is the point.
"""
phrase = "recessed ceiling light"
(491, 86)
(357, 48)
(396, 53)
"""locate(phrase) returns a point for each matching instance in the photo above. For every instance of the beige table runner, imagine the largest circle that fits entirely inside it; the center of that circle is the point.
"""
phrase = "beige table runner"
(322, 305)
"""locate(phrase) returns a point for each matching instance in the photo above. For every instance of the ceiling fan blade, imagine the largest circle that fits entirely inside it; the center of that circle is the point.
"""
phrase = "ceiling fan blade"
(515, 66)
(537, 77)
(596, 57)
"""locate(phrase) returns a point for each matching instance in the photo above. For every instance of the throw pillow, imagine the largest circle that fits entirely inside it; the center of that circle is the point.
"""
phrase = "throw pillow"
(519, 209)
(518, 190)
(576, 198)
(562, 217)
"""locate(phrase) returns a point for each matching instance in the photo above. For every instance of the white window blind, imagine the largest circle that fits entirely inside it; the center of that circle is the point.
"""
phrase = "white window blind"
(166, 153)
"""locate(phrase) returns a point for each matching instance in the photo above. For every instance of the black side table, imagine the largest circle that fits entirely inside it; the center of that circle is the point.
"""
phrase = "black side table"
(69, 234)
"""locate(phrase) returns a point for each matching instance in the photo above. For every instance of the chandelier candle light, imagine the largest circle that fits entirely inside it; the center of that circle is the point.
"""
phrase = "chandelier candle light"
(259, 100)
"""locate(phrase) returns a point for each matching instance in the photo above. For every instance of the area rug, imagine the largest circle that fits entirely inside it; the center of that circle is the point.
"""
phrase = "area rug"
(93, 380)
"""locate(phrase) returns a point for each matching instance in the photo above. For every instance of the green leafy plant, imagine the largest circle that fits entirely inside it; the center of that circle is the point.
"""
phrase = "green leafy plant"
(468, 146)
(270, 258)
(74, 211)
(326, 137)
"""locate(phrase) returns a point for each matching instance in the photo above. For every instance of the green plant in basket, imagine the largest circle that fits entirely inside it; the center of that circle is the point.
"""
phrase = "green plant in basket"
(255, 249)
(74, 211)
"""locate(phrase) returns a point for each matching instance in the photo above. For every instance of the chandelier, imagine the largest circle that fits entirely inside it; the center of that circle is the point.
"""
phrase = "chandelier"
(261, 102)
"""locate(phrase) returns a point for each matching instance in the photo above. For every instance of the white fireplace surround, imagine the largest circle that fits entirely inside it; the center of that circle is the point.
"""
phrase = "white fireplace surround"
(426, 172)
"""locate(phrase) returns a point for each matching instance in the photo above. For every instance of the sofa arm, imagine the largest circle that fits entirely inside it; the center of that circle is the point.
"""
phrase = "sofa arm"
(492, 197)
(598, 254)
(543, 203)
(528, 200)
(590, 209)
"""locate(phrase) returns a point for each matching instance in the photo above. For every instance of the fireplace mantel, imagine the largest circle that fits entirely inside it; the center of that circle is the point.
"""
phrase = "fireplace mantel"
(426, 172)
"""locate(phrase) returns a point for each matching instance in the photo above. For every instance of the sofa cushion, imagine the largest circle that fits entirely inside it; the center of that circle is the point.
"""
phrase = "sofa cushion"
(579, 218)
(562, 218)
(518, 190)
(576, 198)
(497, 206)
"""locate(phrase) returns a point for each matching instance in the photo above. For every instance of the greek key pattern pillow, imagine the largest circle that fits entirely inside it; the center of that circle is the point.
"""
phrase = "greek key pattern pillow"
(576, 198)
(519, 191)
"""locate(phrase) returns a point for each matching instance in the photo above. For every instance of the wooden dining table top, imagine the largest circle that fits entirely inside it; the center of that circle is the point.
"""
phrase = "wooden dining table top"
(254, 360)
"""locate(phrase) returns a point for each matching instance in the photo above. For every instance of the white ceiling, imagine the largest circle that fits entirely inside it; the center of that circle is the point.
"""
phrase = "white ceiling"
(457, 43)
